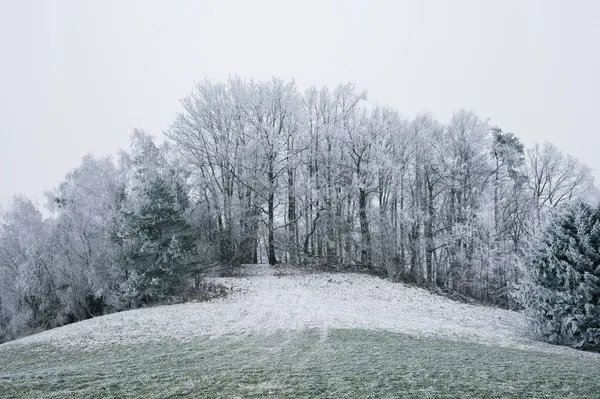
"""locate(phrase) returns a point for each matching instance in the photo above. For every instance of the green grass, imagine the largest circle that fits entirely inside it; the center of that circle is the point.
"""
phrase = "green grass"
(345, 363)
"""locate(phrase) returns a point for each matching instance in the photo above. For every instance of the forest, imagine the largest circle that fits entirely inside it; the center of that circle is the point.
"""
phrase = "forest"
(260, 171)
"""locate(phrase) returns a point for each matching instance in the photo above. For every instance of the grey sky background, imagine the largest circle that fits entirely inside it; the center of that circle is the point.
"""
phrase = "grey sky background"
(77, 76)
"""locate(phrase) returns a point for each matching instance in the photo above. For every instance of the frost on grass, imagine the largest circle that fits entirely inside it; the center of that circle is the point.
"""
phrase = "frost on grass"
(263, 302)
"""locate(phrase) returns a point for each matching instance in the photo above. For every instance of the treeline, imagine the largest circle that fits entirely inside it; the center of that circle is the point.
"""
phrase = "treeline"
(258, 171)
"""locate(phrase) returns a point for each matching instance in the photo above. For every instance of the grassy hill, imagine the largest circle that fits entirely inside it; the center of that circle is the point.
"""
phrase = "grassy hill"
(316, 335)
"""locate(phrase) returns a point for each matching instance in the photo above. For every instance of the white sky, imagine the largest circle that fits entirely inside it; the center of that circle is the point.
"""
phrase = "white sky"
(77, 76)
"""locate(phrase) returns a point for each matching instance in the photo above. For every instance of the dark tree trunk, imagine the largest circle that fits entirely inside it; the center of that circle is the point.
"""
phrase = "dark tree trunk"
(365, 254)
(292, 225)
(271, 217)
(428, 231)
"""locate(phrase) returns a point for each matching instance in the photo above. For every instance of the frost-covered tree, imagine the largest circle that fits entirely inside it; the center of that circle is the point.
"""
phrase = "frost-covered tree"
(467, 167)
(158, 243)
(211, 132)
(161, 242)
(28, 277)
(83, 210)
(272, 111)
(507, 229)
(555, 177)
(562, 293)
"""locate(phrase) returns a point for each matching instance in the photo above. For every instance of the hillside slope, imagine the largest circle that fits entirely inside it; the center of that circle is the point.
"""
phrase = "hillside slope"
(299, 336)
(262, 302)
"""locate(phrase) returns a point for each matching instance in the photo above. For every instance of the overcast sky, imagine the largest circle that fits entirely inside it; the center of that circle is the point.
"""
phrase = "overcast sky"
(77, 76)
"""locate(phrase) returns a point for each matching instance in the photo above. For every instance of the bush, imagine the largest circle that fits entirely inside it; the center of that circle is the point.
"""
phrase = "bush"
(5, 330)
(562, 292)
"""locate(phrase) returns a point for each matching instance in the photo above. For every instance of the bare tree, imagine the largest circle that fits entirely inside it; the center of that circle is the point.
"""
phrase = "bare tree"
(555, 177)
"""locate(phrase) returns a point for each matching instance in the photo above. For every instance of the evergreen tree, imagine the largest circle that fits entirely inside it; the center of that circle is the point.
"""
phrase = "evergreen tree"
(161, 243)
(158, 243)
(562, 295)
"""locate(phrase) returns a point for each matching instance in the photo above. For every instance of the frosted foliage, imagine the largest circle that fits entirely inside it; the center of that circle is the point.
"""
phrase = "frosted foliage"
(562, 292)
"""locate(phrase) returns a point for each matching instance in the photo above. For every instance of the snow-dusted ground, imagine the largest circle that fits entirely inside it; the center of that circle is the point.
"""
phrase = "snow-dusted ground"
(264, 303)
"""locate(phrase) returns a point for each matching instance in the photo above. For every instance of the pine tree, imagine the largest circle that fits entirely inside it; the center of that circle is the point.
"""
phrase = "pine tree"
(161, 244)
(562, 295)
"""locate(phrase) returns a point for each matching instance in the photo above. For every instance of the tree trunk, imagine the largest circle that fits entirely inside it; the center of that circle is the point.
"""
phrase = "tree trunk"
(402, 231)
(291, 215)
(428, 231)
(365, 254)
(271, 217)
